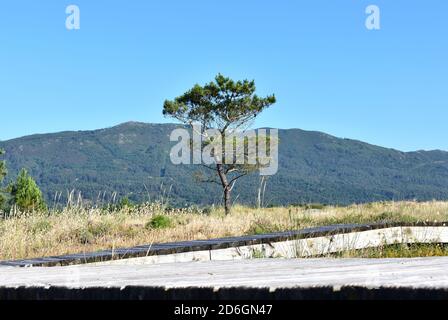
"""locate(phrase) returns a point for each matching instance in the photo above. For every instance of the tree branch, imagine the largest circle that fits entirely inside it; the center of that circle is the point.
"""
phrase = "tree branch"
(237, 177)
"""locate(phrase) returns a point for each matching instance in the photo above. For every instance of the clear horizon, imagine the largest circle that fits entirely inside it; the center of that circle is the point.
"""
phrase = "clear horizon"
(330, 74)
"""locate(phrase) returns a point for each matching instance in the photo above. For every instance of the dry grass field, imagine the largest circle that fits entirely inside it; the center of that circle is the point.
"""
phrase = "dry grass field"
(78, 229)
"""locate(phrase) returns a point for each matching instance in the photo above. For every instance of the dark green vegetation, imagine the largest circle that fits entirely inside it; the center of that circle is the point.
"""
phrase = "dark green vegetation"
(3, 173)
(132, 160)
(25, 193)
(159, 222)
(225, 105)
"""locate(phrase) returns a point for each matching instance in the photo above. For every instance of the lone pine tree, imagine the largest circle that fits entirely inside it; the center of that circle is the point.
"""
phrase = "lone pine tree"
(226, 106)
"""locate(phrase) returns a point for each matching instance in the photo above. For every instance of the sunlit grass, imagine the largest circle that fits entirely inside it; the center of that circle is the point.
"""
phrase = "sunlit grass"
(78, 229)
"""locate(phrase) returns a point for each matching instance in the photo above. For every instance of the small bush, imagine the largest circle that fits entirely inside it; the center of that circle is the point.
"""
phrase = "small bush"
(92, 231)
(159, 222)
(261, 227)
(41, 226)
(208, 210)
(125, 203)
(85, 237)
(99, 229)
(258, 254)
(2, 201)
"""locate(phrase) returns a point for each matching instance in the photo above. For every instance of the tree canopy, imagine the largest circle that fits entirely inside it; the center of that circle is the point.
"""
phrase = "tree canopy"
(223, 104)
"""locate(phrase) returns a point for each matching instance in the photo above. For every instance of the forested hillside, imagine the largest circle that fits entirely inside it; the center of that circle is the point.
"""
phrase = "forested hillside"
(132, 160)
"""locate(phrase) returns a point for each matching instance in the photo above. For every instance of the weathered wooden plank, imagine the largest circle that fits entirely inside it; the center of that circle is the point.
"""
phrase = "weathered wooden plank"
(271, 273)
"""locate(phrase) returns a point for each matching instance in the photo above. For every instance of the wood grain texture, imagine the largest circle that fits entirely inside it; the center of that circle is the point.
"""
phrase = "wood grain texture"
(256, 273)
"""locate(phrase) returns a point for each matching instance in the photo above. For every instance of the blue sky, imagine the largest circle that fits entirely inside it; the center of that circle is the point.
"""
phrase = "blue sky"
(329, 73)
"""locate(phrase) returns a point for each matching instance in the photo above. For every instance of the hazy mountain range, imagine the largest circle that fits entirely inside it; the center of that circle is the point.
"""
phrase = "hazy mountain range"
(132, 159)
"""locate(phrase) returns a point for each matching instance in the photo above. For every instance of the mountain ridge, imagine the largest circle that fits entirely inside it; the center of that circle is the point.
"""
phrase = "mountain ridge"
(132, 159)
(141, 123)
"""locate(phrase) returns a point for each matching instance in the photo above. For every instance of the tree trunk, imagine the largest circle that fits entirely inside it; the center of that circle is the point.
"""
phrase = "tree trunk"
(227, 202)
(225, 187)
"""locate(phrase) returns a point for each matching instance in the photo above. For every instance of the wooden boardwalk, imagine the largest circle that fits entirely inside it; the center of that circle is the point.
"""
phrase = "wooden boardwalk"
(317, 241)
(271, 273)
(225, 269)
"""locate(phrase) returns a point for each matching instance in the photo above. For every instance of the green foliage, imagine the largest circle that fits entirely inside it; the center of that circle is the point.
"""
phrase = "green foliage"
(92, 231)
(228, 106)
(3, 170)
(40, 226)
(3, 173)
(125, 203)
(222, 104)
(159, 222)
(99, 229)
(261, 226)
(26, 194)
(258, 254)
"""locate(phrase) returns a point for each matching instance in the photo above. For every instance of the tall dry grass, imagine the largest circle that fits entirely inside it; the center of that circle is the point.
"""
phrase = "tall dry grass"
(77, 229)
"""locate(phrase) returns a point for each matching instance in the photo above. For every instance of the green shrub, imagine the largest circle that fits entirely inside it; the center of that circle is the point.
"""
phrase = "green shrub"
(208, 210)
(92, 231)
(125, 203)
(258, 254)
(26, 194)
(3, 172)
(2, 201)
(159, 222)
(41, 226)
(99, 229)
(261, 227)
(85, 237)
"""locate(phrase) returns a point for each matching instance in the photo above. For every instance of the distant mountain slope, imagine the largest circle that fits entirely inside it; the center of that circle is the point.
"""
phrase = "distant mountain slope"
(133, 159)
